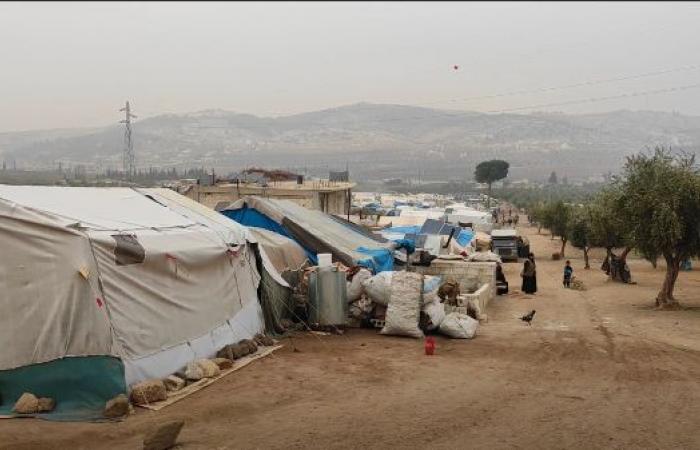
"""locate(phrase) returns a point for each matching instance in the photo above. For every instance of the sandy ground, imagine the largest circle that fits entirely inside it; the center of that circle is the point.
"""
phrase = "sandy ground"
(597, 369)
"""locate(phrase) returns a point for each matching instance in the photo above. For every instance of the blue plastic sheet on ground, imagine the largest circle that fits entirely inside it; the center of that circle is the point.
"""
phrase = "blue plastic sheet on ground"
(379, 260)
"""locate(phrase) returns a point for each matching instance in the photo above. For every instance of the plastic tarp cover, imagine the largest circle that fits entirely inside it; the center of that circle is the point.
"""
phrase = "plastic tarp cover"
(314, 230)
(230, 231)
(187, 283)
(465, 237)
(80, 386)
(380, 260)
(48, 310)
(105, 208)
(282, 252)
(243, 325)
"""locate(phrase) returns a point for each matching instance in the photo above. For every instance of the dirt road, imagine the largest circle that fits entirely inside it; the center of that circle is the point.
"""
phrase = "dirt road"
(597, 369)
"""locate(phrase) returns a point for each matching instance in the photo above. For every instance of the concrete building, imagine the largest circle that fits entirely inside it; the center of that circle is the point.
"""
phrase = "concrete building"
(331, 197)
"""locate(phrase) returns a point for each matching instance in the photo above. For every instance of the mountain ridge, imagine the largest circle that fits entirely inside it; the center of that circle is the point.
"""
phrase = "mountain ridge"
(376, 140)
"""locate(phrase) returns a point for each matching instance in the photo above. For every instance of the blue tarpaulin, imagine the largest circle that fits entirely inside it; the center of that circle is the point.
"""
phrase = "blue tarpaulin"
(251, 217)
(380, 259)
(402, 230)
(465, 237)
(315, 231)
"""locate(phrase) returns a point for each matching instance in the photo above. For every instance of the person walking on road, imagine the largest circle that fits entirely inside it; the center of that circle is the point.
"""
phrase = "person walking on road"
(529, 274)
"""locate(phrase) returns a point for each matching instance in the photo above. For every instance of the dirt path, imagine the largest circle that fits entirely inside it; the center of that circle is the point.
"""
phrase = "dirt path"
(598, 369)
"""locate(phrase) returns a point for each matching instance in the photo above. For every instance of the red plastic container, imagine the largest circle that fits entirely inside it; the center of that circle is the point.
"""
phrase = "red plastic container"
(429, 345)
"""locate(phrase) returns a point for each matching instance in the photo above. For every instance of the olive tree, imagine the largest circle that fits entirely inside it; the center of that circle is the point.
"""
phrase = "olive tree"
(659, 198)
(557, 220)
(489, 172)
(580, 232)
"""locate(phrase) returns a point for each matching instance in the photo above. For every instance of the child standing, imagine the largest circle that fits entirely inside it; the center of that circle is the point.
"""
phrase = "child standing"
(568, 272)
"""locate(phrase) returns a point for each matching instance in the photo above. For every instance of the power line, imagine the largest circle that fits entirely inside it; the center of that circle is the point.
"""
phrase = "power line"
(570, 86)
(599, 99)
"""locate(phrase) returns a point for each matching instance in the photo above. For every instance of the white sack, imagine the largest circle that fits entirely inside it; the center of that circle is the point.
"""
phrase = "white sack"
(378, 288)
(403, 311)
(459, 326)
(435, 312)
(355, 289)
(487, 256)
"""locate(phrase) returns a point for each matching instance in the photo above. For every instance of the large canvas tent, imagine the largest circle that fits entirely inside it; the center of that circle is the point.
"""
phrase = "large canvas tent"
(104, 287)
(314, 230)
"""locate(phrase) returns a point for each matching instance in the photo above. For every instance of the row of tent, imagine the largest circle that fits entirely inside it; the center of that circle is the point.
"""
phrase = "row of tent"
(106, 287)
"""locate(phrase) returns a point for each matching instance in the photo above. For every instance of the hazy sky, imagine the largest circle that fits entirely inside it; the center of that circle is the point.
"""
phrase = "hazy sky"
(74, 64)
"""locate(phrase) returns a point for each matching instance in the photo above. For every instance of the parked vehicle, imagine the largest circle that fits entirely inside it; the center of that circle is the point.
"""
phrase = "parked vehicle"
(504, 243)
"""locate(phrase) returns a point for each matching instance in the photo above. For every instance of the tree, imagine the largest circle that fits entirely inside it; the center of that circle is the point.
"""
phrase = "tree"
(581, 233)
(552, 178)
(489, 172)
(659, 196)
(558, 219)
(538, 214)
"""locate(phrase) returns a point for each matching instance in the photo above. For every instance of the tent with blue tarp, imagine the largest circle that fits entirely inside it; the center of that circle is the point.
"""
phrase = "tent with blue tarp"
(314, 230)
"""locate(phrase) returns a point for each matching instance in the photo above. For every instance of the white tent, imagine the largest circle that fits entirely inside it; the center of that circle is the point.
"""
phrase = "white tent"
(146, 277)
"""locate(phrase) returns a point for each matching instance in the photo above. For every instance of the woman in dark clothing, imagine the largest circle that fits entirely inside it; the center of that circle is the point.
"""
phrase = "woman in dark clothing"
(529, 275)
(501, 283)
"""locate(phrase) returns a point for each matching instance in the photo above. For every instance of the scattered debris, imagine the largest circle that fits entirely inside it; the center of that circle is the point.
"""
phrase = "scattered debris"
(577, 284)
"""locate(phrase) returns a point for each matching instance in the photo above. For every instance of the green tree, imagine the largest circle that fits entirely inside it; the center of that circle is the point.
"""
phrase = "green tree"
(659, 197)
(580, 232)
(608, 227)
(489, 172)
(538, 213)
(557, 220)
(552, 178)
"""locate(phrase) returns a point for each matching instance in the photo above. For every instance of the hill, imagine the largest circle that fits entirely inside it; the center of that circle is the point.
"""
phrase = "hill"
(376, 141)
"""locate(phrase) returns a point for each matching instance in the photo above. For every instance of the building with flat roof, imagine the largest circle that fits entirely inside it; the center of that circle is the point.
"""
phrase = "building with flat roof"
(332, 197)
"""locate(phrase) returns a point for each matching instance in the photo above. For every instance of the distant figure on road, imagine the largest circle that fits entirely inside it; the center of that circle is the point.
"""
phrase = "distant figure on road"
(529, 275)
(568, 272)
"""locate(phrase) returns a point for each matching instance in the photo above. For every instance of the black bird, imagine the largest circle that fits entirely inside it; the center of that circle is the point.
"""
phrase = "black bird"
(528, 317)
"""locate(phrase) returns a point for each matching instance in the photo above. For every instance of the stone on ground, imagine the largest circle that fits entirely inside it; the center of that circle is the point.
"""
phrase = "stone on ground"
(163, 436)
(223, 363)
(174, 383)
(194, 372)
(46, 404)
(119, 406)
(149, 391)
(26, 404)
(209, 368)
